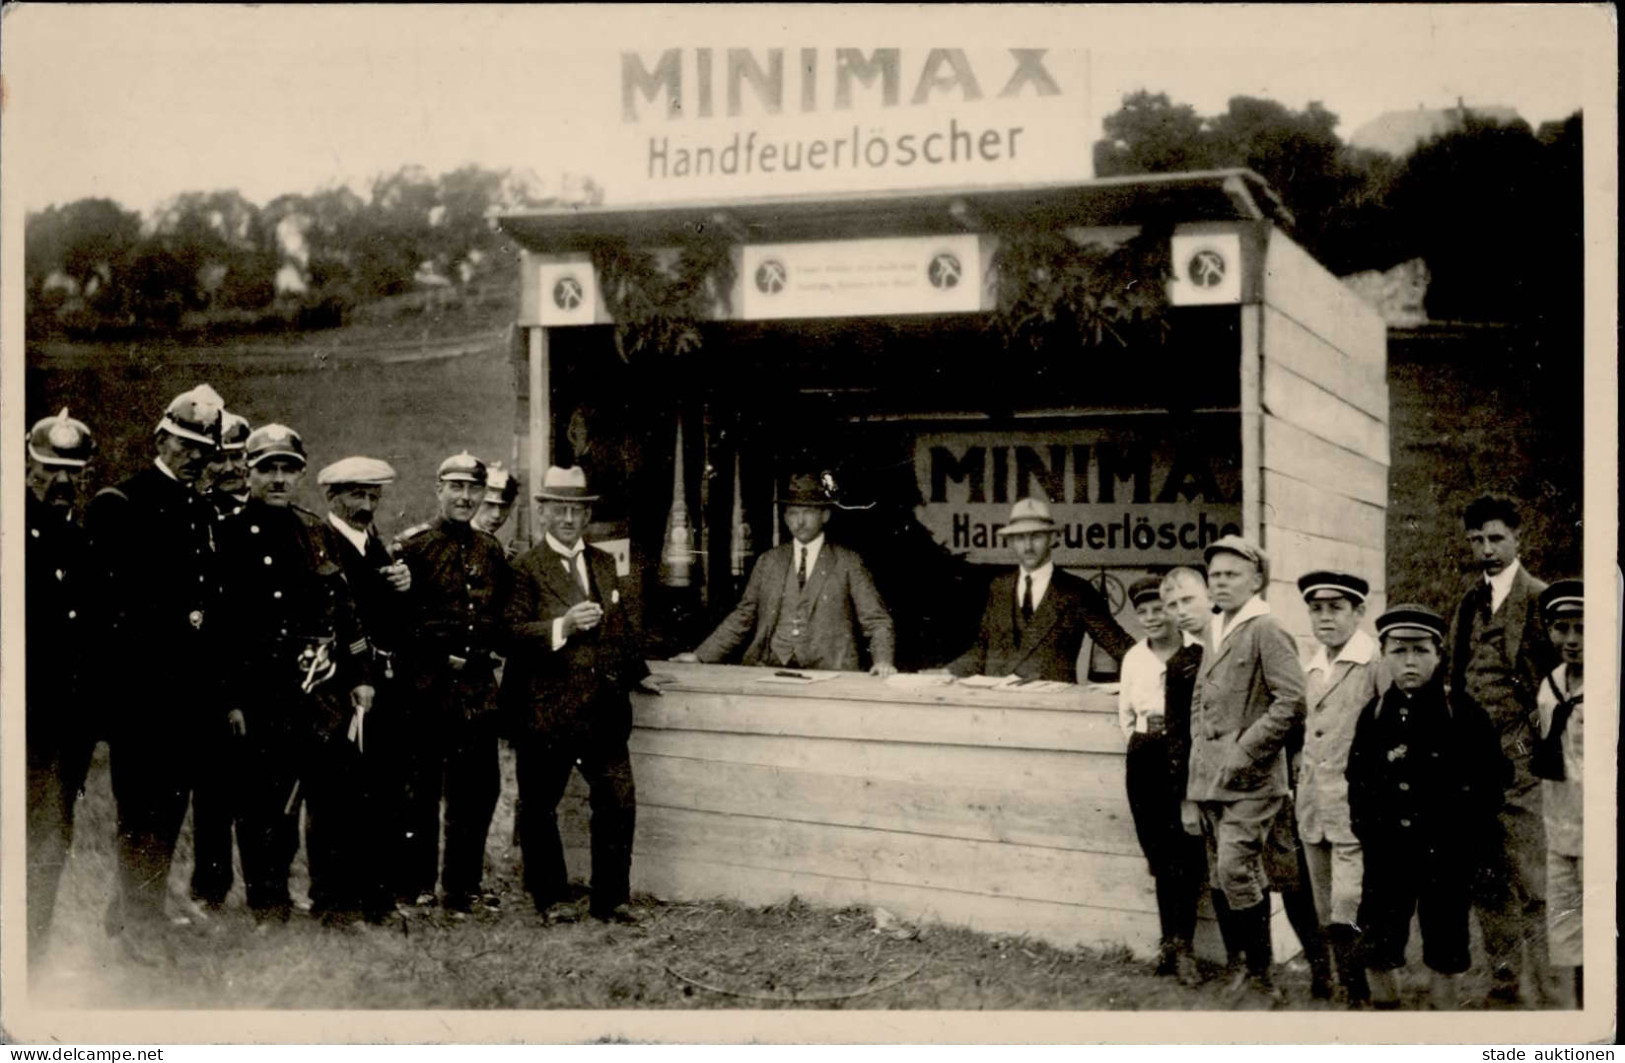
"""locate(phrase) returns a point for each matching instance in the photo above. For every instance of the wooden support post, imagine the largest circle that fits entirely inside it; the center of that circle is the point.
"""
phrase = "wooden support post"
(541, 424)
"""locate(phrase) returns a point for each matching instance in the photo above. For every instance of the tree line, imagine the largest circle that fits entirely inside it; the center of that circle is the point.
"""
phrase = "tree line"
(1495, 210)
(211, 258)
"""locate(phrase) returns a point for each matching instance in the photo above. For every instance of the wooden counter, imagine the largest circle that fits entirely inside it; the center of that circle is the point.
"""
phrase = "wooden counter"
(999, 810)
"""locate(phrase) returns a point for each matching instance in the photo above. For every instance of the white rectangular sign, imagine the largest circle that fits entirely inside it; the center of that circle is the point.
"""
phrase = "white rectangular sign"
(568, 295)
(800, 116)
(848, 278)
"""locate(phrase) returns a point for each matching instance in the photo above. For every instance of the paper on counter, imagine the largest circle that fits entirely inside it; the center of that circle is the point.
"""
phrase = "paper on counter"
(983, 681)
(915, 681)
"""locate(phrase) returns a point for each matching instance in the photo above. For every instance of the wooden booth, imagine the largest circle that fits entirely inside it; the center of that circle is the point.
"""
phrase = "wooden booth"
(901, 342)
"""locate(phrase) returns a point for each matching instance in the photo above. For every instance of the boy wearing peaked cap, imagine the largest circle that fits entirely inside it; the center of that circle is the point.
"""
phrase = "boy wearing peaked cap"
(151, 545)
(1558, 761)
(1176, 859)
(60, 733)
(1342, 676)
(1425, 778)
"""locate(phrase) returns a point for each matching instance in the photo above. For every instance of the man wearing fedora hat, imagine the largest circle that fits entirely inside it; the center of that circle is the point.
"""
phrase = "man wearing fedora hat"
(60, 734)
(1035, 619)
(805, 600)
(452, 633)
(574, 658)
(151, 546)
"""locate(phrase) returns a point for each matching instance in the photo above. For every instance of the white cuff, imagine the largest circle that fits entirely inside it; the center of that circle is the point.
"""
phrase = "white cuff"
(558, 633)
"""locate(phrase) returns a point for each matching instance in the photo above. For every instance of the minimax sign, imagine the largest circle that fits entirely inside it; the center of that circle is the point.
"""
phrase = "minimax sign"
(1122, 496)
(710, 122)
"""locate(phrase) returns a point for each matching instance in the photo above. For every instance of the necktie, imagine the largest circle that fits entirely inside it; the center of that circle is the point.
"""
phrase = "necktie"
(1027, 599)
(577, 572)
(801, 566)
(1486, 602)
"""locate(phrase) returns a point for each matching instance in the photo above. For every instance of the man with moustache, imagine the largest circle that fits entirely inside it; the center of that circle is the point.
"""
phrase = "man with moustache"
(298, 692)
(60, 731)
(225, 481)
(224, 485)
(805, 599)
(1499, 653)
(453, 636)
(151, 546)
(575, 658)
(378, 583)
(1036, 618)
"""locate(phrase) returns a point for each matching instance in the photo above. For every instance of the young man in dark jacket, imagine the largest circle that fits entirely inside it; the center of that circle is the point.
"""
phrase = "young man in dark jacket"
(1425, 779)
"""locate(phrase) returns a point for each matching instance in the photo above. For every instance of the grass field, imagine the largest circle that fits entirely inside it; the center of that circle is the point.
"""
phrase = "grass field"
(414, 390)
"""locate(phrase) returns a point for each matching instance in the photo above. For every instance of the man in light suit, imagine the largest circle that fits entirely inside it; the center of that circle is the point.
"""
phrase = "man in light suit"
(574, 658)
(1249, 697)
(1036, 617)
(804, 599)
(1499, 651)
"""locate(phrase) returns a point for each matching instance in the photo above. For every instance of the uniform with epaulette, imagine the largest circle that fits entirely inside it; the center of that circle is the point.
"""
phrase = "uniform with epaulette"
(61, 734)
(297, 656)
(214, 789)
(453, 635)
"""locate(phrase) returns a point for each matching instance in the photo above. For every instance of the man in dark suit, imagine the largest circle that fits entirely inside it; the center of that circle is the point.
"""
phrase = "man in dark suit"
(151, 546)
(574, 658)
(1499, 652)
(61, 734)
(804, 600)
(1036, 617)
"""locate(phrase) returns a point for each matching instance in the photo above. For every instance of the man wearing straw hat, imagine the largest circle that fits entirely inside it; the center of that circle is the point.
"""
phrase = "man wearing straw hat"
(1036, 618)
(151, 548)
(574, 658)
(805, 600)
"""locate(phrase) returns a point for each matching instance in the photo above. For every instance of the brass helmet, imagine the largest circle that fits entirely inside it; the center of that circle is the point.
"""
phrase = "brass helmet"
(61, 441)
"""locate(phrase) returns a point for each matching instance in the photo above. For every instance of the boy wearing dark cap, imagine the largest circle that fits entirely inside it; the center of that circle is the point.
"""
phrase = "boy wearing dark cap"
(1557, 761)
(1424, 778)
(1177, 860)
(1340, 679)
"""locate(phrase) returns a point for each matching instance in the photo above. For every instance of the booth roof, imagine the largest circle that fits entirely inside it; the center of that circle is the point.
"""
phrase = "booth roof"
(1208, 195)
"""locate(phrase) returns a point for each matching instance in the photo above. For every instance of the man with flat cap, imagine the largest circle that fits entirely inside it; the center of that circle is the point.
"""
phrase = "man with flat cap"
(1036, 617)
(353, 488)
(453, 634)
(1343, 674)
(575, 657)
(298, 689)
(60, 730)
(153, 553)
(1248, 698)
(806, 600)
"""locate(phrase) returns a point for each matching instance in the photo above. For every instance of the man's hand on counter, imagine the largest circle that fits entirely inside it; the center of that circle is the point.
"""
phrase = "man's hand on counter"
(685, 658)
(883, 670)
(651, 684)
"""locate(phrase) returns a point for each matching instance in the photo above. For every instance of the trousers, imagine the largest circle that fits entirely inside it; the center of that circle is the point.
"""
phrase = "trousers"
(544, 771)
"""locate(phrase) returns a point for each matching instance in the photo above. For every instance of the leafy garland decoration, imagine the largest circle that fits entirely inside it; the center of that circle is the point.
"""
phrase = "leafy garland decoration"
(1052, 290)
(658, 308)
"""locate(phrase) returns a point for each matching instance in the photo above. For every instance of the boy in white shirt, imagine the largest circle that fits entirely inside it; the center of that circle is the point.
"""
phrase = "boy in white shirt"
(1556, 761)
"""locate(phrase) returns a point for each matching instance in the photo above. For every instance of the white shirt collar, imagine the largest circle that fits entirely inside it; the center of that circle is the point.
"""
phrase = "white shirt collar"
(1501, 584)
(356, 536)
(1041, 578)
(165, 469)
(1359, 649)
(580, 546)
(811, 548)
(1255, 606)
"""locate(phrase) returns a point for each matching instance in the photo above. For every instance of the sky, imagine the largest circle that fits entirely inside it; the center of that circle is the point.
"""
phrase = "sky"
(140, 104)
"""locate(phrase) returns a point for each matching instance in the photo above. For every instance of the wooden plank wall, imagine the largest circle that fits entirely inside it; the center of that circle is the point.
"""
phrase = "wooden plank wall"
(1004, 820)
(1323, 485)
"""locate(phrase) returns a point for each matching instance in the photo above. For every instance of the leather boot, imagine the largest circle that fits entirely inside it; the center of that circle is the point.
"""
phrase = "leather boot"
(1344, 942)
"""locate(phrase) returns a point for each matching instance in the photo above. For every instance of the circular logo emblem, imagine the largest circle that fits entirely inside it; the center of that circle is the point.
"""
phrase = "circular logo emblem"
(944, 270)
(1206, 268)
(567, 293)
(771, 277)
